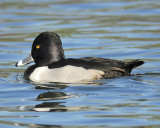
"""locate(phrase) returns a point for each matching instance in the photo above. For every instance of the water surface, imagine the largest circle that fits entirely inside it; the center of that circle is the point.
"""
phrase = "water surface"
(120, 29)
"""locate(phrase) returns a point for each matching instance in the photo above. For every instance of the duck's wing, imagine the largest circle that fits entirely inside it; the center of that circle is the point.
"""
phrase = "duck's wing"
(111, 68)
(116, 63)
(105, 61)
(106, 65)
(87, 64)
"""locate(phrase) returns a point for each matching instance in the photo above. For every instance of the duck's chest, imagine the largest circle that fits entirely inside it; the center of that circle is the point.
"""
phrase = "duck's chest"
(65, 74)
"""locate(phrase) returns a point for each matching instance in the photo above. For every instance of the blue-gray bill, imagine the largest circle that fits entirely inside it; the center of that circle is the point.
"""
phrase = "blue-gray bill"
(25, 61)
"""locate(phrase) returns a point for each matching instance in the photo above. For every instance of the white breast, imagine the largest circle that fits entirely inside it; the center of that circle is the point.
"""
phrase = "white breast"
(66, 74)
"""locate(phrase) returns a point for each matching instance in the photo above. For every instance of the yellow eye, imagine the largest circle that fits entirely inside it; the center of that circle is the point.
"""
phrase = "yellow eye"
(37, 46)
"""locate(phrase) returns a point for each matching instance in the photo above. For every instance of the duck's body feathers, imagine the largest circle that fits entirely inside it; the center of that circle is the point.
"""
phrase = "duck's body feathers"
(51, 65)
(111, 68)
(87, 69)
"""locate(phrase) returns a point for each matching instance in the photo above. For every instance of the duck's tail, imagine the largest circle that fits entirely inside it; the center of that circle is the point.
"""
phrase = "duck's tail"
(135, 63)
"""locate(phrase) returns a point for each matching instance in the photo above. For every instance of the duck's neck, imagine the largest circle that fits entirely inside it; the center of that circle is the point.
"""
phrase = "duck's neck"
(47, 61)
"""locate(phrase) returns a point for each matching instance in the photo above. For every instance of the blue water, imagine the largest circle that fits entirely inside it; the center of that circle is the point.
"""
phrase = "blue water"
(121, 29)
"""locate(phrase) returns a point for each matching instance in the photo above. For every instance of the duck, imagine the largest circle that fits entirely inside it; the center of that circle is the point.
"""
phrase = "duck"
(51, 65)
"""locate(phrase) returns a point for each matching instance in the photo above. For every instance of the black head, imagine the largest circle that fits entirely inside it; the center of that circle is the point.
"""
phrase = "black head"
(47, 48)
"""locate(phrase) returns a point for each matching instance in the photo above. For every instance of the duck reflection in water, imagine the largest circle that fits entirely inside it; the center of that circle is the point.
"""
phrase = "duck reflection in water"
(51, 106)
(50, 96)
(55, 98)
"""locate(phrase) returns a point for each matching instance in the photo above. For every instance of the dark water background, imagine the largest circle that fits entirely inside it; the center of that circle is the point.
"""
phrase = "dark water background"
(119, 29)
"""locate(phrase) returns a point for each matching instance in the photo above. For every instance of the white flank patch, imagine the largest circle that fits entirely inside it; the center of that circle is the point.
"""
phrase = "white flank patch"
(66, 74)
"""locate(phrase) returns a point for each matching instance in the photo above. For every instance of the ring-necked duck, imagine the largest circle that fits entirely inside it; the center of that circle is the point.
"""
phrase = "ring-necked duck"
(51, 65)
